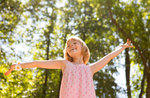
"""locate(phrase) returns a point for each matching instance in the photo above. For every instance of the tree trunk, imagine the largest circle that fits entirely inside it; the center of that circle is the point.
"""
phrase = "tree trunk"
(142, 84)
(127, 63)
(46, 70)
(147, 67)
(148, 85)
(61, 74)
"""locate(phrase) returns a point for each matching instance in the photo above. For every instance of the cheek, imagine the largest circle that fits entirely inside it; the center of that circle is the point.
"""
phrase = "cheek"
(80, 49)
(67, 50)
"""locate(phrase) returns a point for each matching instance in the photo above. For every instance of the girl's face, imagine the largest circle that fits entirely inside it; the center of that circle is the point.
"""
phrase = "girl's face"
(74, 48)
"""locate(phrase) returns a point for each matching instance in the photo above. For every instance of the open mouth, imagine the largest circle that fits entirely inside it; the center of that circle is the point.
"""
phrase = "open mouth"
(75, 49)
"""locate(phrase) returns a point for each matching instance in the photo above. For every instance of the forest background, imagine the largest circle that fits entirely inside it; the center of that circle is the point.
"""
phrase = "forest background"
(38, 29)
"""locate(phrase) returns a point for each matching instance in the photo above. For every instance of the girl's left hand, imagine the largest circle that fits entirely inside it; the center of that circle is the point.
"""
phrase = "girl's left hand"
(10, 70)
(127, 44)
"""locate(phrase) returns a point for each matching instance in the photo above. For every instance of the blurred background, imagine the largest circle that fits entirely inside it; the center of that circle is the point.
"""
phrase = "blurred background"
(38, 29)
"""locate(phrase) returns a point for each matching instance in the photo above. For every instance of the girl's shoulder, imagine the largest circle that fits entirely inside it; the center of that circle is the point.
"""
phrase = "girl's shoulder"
(66, 62)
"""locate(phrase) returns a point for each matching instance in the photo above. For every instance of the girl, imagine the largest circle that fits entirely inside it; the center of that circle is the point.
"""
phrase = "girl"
(77, 80)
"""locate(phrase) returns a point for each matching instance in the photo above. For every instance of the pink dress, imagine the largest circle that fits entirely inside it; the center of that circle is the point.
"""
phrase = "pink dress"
(77, 82)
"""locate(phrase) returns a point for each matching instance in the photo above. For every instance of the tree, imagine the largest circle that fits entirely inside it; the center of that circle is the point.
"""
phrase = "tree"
(131, 20)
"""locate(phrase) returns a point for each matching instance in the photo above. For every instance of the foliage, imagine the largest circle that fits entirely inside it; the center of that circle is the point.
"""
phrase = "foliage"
(44, 27)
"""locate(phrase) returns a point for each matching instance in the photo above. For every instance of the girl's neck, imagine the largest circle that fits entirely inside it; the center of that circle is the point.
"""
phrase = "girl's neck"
(78, 60)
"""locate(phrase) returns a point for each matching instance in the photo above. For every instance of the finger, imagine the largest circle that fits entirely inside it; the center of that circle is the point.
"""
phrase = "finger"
(12, 67)
(9, 70)
(122, 46)
(131, 46)
(6, 73)
(128, 40)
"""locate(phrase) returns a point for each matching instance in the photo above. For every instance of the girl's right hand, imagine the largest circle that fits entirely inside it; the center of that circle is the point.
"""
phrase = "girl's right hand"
(10, 70)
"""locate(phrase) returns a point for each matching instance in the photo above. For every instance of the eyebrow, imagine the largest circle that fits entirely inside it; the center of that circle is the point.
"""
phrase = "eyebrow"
(73, 40)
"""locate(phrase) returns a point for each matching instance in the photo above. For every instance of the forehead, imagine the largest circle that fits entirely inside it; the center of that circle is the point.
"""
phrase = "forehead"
(72, 40)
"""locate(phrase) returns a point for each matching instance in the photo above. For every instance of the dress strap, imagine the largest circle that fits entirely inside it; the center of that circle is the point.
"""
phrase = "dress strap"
(67, 63)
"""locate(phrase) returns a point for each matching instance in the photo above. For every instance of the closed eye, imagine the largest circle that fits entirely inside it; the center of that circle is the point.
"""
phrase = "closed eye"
(73, 43)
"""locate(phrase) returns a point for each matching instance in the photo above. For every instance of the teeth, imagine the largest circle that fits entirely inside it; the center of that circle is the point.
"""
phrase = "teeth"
(74, 49)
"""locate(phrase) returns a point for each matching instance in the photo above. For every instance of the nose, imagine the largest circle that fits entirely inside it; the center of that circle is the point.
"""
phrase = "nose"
(71, 44)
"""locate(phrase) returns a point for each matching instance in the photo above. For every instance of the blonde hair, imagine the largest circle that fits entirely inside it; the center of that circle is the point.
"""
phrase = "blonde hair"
(84, 50)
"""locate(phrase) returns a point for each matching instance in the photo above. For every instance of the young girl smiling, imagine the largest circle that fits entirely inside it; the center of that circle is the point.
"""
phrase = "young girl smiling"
(77, 80)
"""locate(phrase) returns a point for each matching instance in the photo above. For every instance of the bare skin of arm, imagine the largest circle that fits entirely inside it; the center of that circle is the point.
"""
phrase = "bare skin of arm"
(47, 64)
(95, 67)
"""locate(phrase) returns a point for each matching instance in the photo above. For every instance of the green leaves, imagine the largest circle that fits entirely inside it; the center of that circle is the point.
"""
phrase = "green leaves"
(44, 26)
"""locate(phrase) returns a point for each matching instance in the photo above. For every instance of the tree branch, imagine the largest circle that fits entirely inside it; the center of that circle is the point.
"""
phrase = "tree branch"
(127, 36)
(146, 67)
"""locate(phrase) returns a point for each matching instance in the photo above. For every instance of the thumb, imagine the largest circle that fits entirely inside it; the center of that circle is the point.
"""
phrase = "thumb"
(131, 46)
(10, 70)
(7, 73)
(12, 67)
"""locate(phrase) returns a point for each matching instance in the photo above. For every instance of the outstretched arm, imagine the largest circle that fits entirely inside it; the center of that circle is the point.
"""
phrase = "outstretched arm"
(95, 67)
(47, 64)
